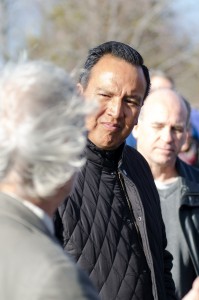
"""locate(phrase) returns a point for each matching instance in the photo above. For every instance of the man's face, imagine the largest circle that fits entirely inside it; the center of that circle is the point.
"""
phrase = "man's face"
(119, 87)
(161, 130)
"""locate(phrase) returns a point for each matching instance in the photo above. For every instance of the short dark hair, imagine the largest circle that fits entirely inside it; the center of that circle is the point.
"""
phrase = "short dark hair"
(117, 49)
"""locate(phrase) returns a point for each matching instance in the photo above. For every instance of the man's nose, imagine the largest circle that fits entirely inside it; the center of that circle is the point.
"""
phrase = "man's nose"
(115, 107)
(167, 134)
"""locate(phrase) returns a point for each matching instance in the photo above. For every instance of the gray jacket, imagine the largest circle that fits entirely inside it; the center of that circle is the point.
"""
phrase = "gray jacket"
(33, 265)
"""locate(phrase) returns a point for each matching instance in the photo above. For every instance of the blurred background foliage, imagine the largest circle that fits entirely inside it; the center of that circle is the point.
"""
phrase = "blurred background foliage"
(68, 28)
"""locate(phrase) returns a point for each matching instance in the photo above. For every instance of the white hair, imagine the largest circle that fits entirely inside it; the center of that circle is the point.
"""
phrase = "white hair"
(42, 127)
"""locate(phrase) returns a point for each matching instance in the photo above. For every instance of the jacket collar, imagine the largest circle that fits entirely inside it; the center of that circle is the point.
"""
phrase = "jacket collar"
(106, 158)
(15, 209)
(187, 171)
(189, 183)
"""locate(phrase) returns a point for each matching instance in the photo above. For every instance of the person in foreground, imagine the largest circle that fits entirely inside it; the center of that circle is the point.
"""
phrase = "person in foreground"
(111, 222)
(160, 136)
(41, 141)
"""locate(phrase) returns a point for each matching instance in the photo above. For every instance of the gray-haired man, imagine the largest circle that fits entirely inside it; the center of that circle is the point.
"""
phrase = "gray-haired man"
(41, 141)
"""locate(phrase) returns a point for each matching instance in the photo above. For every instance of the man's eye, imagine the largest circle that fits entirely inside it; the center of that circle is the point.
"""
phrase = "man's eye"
(157, 126)
(178, 129)
(103, 95)
(132, 102)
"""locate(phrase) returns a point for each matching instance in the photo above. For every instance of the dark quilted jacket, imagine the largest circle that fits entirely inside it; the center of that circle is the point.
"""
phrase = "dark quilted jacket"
(120, 245)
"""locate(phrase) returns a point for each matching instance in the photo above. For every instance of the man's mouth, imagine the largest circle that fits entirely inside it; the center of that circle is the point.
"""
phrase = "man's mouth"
(111, 126)
(166, 149)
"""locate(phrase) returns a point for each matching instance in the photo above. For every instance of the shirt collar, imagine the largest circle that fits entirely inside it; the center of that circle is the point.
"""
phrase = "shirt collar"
(40, 213)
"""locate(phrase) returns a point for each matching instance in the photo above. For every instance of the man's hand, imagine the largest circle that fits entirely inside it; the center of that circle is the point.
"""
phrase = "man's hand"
(194, 292)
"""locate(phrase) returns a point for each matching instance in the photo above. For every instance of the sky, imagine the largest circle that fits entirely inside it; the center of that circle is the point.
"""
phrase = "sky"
(187, 18)
(27, 20)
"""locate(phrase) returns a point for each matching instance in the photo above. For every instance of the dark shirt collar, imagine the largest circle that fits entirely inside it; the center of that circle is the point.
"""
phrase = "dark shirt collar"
(107, 158)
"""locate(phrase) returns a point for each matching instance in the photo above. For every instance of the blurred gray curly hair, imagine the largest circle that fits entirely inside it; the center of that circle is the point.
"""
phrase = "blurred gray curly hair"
(42, 127)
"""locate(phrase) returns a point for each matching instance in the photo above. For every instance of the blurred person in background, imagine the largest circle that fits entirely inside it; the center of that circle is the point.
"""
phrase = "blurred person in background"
(160, 136)
(160, 79)
(111, 222)
(189, 152)
(41, 142)
(195, 121)
(190, 148)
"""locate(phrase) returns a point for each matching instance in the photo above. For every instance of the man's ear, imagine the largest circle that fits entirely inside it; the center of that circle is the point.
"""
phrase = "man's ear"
(80, 89)
(186, 141)
(135, 131)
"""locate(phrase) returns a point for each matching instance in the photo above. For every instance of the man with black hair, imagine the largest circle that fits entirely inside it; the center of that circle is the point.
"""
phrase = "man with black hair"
(111, 222)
